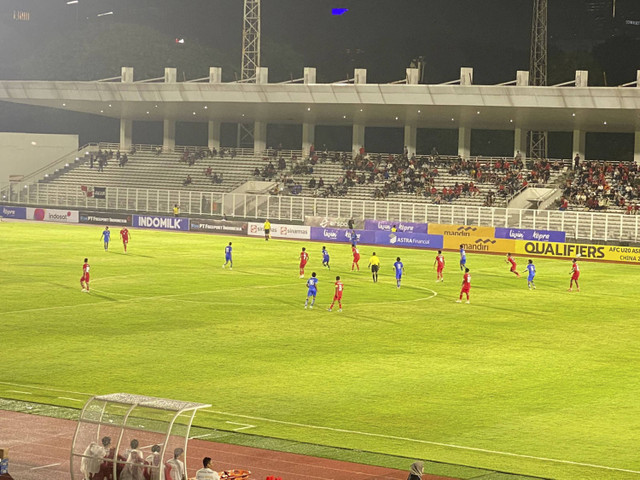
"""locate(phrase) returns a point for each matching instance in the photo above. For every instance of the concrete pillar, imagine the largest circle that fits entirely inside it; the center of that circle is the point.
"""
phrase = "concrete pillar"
(127, 75)
(126, 133)
(520, 143)
(170, 75)
(308, 137)
(357, 139)
(169, 135)
(359, 75)
(410, 138)
(464, 142)
(579, 143)
(582, 78)
(309, 75)
(466, 76)
(214, 135)
(262, 75)
(636, 148)
(215, 75)
(522, 78)
(259, 137)
(638, 78)
(413, 76)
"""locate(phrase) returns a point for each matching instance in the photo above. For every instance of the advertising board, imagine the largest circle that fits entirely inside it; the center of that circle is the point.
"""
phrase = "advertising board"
(161, 223)
(218, 226)
(13, 212)
(419, 240)
(528, 234)
(402, 227)
(300, 232)
(332, 222)
(341, 235)
(487, 244)
(104, 218)
(51, 215)
(460, 231)
(611, 253)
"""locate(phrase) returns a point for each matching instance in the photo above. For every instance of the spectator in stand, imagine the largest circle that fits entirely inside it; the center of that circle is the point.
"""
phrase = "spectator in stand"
(576, 161)
(208, 171)
(187, 181)
(564, 204)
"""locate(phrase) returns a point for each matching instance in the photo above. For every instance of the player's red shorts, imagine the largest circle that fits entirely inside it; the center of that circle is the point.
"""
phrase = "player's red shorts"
(575, 276)
(337, 297)
(466, 289)
(85, 278)
(303, 264)
(356, 258)
(513, 267)
(440, 268)
(125, 240)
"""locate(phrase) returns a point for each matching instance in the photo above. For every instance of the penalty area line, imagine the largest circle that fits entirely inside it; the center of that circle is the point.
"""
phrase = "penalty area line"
(425, 442)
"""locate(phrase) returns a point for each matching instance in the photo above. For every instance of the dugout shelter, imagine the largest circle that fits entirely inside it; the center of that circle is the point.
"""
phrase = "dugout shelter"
(125, 418)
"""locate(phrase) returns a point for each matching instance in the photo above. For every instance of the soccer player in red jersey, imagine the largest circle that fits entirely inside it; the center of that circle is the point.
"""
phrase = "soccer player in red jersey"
(84, 280)
(466, 286)
(304, 258)
(575, 275)
(356, 258)
(337, 295)
(512, 261)
(124, 235)
(439, 264)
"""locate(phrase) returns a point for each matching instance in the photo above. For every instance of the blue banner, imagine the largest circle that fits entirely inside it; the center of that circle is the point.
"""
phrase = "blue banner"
(402, 227)
(341, 235)
(13, 212)
(417, 240)
(161, 223)
(527, 234)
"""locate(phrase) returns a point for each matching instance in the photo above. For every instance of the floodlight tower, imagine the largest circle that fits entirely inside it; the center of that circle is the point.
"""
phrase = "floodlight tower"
(250, 59)
(538, 71)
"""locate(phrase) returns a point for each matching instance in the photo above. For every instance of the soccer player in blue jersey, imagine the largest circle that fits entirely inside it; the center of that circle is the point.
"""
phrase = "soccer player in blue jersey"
(354, 238)
(325, 258)
(463, 258)
(531, 268)
(312, 290)
(227, 257)
(399, 271)
(106, 236)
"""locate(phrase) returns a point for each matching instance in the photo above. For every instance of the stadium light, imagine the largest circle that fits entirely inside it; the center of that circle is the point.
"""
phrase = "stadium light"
(72, 2)
(104, 14)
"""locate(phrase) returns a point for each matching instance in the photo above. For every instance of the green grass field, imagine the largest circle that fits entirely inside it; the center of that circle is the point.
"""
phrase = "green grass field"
(540, 382)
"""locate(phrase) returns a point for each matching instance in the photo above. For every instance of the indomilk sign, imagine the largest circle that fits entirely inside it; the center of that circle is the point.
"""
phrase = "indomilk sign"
(161, 223)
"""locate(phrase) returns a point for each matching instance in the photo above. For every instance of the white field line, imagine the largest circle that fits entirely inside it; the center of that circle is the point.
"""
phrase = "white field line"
(46, 466)
(69, 398)
(405, 439)
(134, 299)
(201, 436)
(244, 426)
(19, 391)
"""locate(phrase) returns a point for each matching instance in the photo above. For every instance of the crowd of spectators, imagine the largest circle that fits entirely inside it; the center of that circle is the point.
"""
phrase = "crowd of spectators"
(102, 158)
(601, 185)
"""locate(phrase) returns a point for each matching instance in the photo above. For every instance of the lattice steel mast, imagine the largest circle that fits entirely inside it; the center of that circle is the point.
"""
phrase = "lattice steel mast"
(538, 70)
(250, 59)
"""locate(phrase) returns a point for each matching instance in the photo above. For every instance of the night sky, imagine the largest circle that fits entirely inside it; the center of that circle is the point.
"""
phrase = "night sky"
(383, 36)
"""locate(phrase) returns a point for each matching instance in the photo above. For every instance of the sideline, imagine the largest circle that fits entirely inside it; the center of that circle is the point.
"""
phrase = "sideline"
(368, 434)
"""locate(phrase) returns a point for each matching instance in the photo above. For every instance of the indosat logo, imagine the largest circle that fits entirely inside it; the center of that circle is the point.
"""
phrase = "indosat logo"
(41, 214)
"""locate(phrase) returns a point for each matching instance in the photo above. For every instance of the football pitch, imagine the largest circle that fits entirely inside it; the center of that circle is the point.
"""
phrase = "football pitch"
(541, 382)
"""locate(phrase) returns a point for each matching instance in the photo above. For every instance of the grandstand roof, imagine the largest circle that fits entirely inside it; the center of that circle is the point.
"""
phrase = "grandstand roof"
(496, 107)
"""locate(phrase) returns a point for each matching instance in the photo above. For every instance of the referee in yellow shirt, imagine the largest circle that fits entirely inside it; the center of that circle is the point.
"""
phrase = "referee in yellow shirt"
(267, 229)
(374, 263)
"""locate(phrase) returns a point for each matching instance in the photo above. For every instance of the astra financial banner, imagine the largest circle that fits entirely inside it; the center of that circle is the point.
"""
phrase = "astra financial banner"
(417, 240)
(218, 226)
(161, 223)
